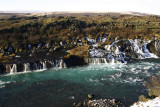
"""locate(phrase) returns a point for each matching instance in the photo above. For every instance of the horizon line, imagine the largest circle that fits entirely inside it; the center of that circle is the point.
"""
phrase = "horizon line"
(39, 11)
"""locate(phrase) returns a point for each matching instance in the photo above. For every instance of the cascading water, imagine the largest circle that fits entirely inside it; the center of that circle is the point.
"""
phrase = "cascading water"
(114, 54)
(62, 64)
(13, 69)
(107, 48)
(142, 51)
(96, 60)
(157, 46)
(35, 66)
(119, 81)
(26, 67)
(44, 65)
(112, 61)
(56, 63)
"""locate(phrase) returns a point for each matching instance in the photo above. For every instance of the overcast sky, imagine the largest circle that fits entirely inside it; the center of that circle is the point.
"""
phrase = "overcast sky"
(145, 6)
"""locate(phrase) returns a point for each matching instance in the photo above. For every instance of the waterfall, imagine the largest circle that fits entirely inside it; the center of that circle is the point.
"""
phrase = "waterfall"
(35, 67)
(116, 50)
(56, 63)
(142, 51)
(136, 46)
(112, 61)
(96, 60)
(105, 61)
(145, 47)
(52, 63)
(62, 64)
(109, 54)
(44, 65)
(26, 67)
(13, 68)
(107, 48)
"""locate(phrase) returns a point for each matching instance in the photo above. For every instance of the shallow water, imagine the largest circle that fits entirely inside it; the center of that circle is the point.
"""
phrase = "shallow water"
(63, 87)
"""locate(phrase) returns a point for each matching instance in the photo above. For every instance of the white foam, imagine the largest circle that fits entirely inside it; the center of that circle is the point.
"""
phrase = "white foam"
(95, 81)
(150, 103)
(142, 51)
(2, 84)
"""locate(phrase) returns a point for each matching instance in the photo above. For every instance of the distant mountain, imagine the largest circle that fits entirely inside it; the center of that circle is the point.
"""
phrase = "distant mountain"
(34, 11)
(97, 13)
(9, 14)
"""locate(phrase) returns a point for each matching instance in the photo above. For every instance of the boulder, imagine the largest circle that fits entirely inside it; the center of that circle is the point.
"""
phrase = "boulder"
(152, 47)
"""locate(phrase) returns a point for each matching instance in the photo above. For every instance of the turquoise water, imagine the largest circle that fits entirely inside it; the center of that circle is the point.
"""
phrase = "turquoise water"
(63, 87)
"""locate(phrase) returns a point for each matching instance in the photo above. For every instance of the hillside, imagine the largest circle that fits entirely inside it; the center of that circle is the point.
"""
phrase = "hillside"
(22, 28)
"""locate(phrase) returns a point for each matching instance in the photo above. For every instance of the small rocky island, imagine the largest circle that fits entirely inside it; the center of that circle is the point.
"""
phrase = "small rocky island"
(30, 43)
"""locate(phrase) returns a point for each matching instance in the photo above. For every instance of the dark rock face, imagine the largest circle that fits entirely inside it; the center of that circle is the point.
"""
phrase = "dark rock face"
(2, 69)
(74, 61)
(154, 47)
(127, 47)
(124, 44)
(20, 67)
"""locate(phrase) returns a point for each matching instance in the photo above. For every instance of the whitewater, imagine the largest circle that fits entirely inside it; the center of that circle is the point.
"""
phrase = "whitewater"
(65, 86)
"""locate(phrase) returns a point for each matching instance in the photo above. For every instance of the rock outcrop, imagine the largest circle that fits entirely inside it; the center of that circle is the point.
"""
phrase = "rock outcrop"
(153, 98)
(154, 47)
(99, 103)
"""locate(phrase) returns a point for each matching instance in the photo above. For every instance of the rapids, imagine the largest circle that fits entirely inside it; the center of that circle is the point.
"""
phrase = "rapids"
(63, 87)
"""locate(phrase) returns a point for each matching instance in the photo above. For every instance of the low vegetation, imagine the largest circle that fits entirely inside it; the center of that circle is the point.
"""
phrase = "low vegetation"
(81, 51)
(19, 31)
(23, 29)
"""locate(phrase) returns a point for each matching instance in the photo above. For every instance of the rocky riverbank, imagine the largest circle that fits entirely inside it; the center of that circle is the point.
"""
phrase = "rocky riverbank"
(153, 98)
(99, 103)
(92, 102)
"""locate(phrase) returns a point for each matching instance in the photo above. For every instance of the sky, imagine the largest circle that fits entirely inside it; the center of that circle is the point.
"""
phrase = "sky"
(144, 6)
